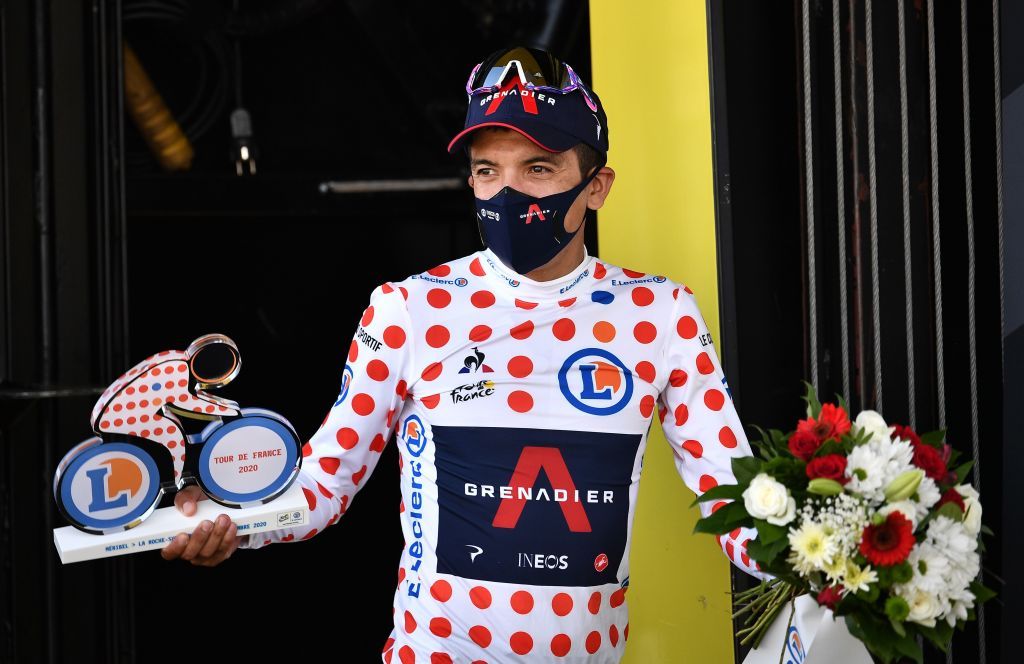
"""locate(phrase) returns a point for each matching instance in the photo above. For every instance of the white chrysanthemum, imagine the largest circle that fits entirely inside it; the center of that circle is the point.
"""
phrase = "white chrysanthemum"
(972, 506)
(866, 470)
(857, 578)
(812, 546)
(931, 568)
(899, 457)
(927, 495)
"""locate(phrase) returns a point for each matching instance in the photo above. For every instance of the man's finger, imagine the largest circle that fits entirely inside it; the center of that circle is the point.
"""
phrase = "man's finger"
(186, 499)
(175, 548)
(216, 537)
(197, 540)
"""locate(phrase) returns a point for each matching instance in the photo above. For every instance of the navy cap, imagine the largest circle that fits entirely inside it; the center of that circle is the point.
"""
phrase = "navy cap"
(554, 121)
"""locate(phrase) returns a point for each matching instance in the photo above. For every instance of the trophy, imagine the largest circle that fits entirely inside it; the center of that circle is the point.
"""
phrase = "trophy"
(158, 430)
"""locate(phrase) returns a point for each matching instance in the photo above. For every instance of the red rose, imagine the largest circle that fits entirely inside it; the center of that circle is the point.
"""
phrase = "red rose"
(928, 459)
(952, 496)
(832, 423)
(890, 542)
(803, 444)
(830, 596)
(906, 433)
(830, 467)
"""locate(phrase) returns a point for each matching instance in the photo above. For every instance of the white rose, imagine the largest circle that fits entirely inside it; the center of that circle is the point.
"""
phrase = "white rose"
(972, 508)
(872, 422)
(768, 499)
(924, 607)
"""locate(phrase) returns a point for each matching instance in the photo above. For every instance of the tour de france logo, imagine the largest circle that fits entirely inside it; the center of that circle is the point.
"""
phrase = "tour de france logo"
(596, 381)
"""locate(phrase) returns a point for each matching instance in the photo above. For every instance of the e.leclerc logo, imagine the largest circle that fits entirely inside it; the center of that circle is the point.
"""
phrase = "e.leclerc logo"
(113, 484)
(346, 380)
(595, 381)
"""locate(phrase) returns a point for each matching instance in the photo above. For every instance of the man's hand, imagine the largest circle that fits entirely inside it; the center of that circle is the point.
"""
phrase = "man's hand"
(211, 543)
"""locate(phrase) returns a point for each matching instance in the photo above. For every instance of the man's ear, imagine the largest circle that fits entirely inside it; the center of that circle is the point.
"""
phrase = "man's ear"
(599, 188)
(469, 179)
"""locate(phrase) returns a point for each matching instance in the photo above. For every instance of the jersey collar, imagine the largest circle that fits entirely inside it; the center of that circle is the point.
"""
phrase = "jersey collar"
(518, 285)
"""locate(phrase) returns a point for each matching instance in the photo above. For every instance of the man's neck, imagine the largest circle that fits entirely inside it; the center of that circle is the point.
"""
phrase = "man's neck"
(567, 260)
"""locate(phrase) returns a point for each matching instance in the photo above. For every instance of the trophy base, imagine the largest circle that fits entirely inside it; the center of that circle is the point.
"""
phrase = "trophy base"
(287, 510)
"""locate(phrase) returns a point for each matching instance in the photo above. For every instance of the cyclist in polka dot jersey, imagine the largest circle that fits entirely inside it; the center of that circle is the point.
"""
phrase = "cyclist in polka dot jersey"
(520, 383)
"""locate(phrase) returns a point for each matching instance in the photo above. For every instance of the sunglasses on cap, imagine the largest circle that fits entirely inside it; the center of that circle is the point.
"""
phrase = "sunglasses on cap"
(536, 69)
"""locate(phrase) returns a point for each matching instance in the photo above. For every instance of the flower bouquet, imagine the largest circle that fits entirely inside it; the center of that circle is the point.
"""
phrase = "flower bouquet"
(871, 519)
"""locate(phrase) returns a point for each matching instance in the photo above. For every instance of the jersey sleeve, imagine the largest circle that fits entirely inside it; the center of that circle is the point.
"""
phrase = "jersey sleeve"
(341, 455)
(699, 419)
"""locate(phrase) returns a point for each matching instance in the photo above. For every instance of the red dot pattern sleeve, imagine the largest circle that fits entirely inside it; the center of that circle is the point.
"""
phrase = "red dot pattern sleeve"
(341, 455)
(699, 419)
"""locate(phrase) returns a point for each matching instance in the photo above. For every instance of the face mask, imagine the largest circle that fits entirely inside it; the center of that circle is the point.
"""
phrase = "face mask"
(524, 231)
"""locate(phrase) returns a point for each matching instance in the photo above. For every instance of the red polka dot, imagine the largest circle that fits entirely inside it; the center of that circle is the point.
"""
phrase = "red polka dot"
(520, 401)
(406, 654)
(480, 635)
(599, 271)
(410, 623)
(677, 378)
(617, 598)
(647, 406)
(367, 316)
(440, 627)
(714, 399)
(625, 632)
(694, 448)
(523, 304)
(613, 635)
(437, 336)
(604, 331)
(476, 268)
(726, 437)
(347, 438)
(707, 482)
(440, 658)
(594, 604)
(310, 498)
(401, 389)
(520, 366)
(717, 506)
(521, 602)
(439, 298)
(646, 371)
(378, 443)
(480, 333)
(522, 331)
(441, 590)
(682, 414)
(567, 303)
(480, 596)
(330, 465)
(405, 293)
(521, 643)
(642, 296)
(704, 364)
(432, 371)
(440, 271)
(686, 327)
(560, 645)
(362, 404)
(645, 332)
(564, 329)
(593, 642)
(358, 475)
(394, 336)
(431, 401)
(386, 288)
(632, 274)
(377, 370)
(482, 299)
(561, 604)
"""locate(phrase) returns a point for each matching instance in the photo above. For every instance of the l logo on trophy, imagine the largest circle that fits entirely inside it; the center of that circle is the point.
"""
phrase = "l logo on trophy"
(158, 429)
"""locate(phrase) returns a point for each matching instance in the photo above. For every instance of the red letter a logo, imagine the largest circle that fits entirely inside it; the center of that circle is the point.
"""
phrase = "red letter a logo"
(530, 463)
(534, 209)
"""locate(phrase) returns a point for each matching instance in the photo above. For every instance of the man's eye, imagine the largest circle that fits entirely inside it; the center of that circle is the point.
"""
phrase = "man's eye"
(484, 171)
(539, 169)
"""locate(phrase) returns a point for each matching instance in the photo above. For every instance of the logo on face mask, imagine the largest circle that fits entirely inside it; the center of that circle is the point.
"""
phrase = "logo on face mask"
(596, 382)
(535, 211)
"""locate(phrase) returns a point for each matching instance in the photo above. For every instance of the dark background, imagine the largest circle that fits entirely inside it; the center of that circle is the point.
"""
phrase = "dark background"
(107, 259)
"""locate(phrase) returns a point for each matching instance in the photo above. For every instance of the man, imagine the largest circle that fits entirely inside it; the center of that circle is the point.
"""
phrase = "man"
(521, 381)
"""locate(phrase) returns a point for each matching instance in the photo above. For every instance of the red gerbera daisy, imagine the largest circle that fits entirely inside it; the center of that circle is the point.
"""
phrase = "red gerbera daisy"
(890, 542)
(832, 423)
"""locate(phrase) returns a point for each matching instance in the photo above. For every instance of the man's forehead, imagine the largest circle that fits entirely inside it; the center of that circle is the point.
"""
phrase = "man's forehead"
(489, 143)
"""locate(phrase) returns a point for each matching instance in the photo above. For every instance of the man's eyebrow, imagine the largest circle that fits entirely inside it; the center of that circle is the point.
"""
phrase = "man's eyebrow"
(550, 158)
(481, 162)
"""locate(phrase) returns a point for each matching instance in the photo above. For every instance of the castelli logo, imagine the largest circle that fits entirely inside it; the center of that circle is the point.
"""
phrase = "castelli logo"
(601, 562)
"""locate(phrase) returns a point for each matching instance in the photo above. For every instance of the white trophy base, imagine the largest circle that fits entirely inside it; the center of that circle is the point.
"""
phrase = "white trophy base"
(816, 638)
(287, 510)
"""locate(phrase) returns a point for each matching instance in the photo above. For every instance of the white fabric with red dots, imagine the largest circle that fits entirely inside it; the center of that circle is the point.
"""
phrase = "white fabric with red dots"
(522, 410)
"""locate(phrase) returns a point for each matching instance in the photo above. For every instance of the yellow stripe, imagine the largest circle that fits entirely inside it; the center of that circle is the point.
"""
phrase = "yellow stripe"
(650, 63)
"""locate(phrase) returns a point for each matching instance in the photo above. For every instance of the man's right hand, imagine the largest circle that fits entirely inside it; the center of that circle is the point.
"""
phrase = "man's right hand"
(211, 543)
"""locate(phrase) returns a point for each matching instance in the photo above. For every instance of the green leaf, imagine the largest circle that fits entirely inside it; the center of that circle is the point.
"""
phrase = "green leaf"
(813, 406)
(952, 511)
(769, 532)
(736, 515)
(745, 469)
(981, 593)
(933, 438)
(720, 492)
(907, 646)
(766, 553)
(897, 627)
(842, 403)
(713, 523)
(962, 470)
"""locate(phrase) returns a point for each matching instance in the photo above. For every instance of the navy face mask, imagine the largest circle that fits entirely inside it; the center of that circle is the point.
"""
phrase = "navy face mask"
(525, 231)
